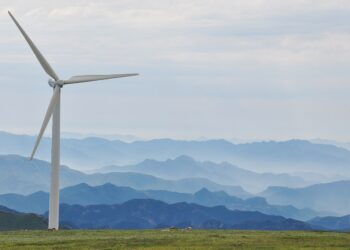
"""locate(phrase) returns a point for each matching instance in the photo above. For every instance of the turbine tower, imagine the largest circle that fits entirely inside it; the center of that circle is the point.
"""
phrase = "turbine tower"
(54, 111)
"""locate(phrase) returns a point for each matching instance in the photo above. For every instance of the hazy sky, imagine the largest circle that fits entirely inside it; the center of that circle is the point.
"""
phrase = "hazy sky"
(248, 69)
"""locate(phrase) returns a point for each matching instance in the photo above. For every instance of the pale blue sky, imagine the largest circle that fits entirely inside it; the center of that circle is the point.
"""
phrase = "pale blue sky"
(247, 69)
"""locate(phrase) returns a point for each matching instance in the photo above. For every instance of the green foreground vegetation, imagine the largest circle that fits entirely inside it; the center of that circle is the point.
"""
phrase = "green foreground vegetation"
(172, 239)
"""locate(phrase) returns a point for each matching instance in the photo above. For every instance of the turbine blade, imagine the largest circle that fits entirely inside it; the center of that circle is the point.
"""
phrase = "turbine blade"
(48, 115)
(46, 66)
(90, 78)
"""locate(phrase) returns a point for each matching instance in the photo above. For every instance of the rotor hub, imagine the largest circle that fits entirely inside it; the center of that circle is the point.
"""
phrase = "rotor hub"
(54, 83)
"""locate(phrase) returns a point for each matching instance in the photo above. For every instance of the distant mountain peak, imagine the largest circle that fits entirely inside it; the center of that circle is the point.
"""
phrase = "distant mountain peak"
(202, 191)
(83, 185)
(108, 184)
(184, 158)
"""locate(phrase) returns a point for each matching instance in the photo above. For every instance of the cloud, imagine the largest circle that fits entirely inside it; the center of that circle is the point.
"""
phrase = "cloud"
(207, 57)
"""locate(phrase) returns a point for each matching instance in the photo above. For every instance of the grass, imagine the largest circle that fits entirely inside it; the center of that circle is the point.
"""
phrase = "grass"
(173, 239)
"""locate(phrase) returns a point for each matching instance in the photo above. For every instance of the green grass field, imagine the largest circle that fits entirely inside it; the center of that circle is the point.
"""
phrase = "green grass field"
(174, 239)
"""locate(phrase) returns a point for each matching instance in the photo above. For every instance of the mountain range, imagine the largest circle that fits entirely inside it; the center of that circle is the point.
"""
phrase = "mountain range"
(333, 197)
(147, 214)
(281, 157)
(21, 176)
(224, 173)
(109, 194)
(200, 173)
(332, 223)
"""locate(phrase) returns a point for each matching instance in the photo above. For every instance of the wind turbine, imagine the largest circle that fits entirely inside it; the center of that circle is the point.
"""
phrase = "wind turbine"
(54, 111)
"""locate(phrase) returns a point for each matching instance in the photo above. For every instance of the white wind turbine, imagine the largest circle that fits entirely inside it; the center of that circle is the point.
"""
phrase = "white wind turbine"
(54, 110)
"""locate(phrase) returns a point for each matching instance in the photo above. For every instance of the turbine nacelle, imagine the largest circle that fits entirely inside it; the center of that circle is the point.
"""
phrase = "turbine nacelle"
(54, 83)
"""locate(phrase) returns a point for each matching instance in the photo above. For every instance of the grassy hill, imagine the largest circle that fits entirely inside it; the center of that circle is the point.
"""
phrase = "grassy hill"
(173, 239)
(19, 221)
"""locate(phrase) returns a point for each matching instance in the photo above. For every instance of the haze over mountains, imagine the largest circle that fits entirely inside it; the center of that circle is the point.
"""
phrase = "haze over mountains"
(225, 173)
(295, 179)
(322, 197)
(19, 175)
(339, 144)
(280, 157)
